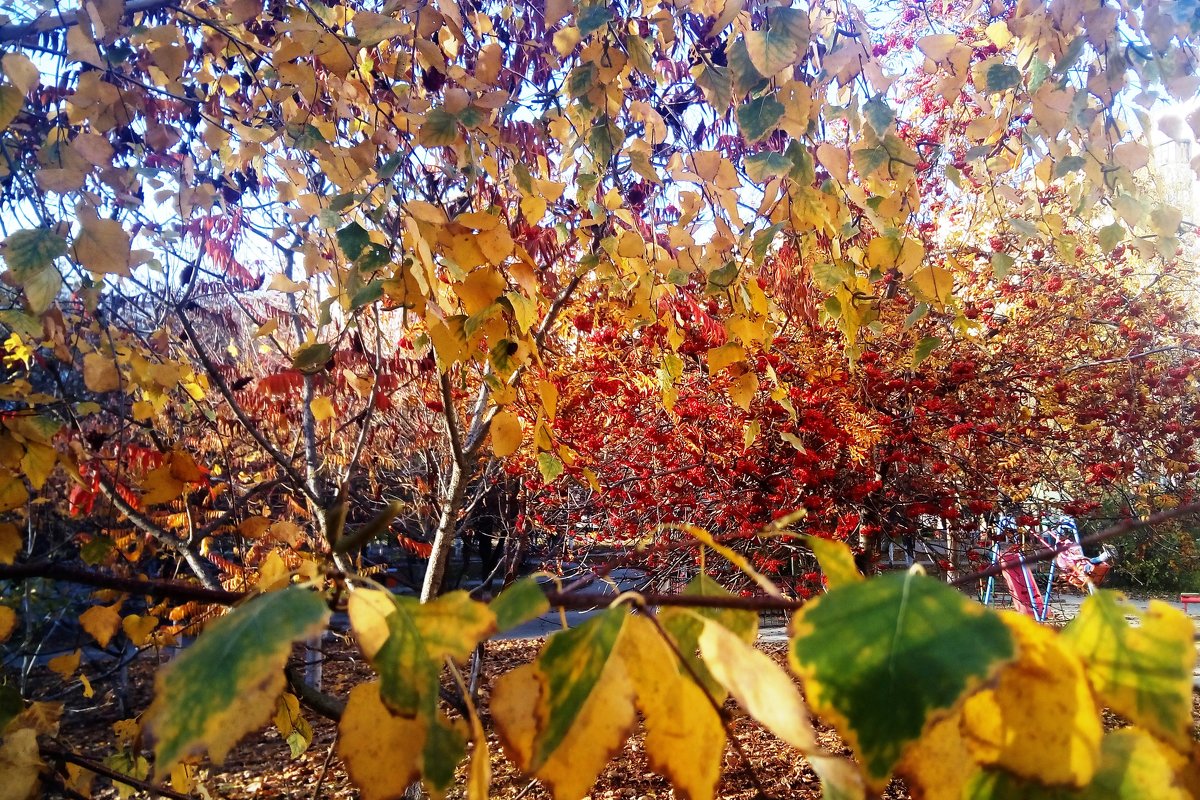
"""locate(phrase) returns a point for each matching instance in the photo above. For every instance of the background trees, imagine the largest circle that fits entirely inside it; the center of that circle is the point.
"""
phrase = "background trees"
(283, 278)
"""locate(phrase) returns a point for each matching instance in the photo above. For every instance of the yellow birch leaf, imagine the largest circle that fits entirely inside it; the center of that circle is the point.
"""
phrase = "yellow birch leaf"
(272, 573)
(481, 288)
(38, 463)
(760, 685)
(935, 285)
(13, 493)
(938, 46)
(102, 245)
(836, 561)
(139, 628)
(100, 373)
(1145, 672)
(281, 283)
(322, 408)
(287, 532)
(66, 664)
(684, 735)
(10, 542)
(1039, 719)
(743, 388)
(506, 434)
(582, 707)
(939, 765)
(382, 751)
(20, 764)
(101, 622)
(721, 357)
(21, 71)
(161, 486)
(11, 101)
(449, 342)
(8, 622)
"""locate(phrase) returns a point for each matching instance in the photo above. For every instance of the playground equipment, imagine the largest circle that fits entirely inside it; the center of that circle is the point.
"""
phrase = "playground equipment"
(1031, 585)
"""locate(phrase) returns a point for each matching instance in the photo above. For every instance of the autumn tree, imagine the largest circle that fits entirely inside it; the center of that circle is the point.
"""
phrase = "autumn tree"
(261, 260)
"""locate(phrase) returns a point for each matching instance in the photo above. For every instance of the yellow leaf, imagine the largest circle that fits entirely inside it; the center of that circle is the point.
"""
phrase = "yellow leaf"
(10, 542)
(102, 245)
(281, 283)
(548, 393)
(938, 46)
(272, 573)
(1039, 720)
(759, 684)
(38, 463)
(161, 486)
(20, 764)
(939, 764)
(743, 388)
(563, 717)
(506, 434)
(8, 621)
(66, 664)
(267, 328)
(382, 751)
(21, 71)
(287, 532)
(534, 208)
(888, 252)
(836, 560)
(322, 408)
(13, 493)
(998, 32)
(481, 288)
(834, 159)
(721, 357)
(449, 342)
(100, 373)
(935, 285)
(88, 691)
(684, 735)
(138, 628)
(101, 622)
(11, 100)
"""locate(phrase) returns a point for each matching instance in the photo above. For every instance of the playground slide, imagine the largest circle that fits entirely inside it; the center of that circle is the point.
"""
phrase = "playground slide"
(1026, 596)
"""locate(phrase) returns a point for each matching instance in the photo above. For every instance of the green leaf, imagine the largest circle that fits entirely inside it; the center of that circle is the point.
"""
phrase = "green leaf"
(762, 242)
(522, 601)
(312, 357)
(762, 167)
(1000, 77)
(879, 114)
(353, 239)
(582, 79)
(836, 560)
(717, 85)
(1110, 236)
(924, 349)
(881, 659)
(30, 251)
(1143, 670)
(1067, 165)
(439, 129)
(592, 17)
(758, 118)
(780, 42)
(419, 637)
(549, 466)
(746, 79)
(1001, 264)
(225, 685)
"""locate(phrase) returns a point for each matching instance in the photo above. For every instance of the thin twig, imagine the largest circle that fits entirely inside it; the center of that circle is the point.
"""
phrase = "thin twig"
(100, 769)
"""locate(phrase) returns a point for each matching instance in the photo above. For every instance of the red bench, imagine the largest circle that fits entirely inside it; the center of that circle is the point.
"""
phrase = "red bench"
(1188, 599)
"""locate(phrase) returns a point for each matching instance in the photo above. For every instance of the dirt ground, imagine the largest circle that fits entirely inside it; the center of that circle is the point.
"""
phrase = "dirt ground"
(262, 767)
